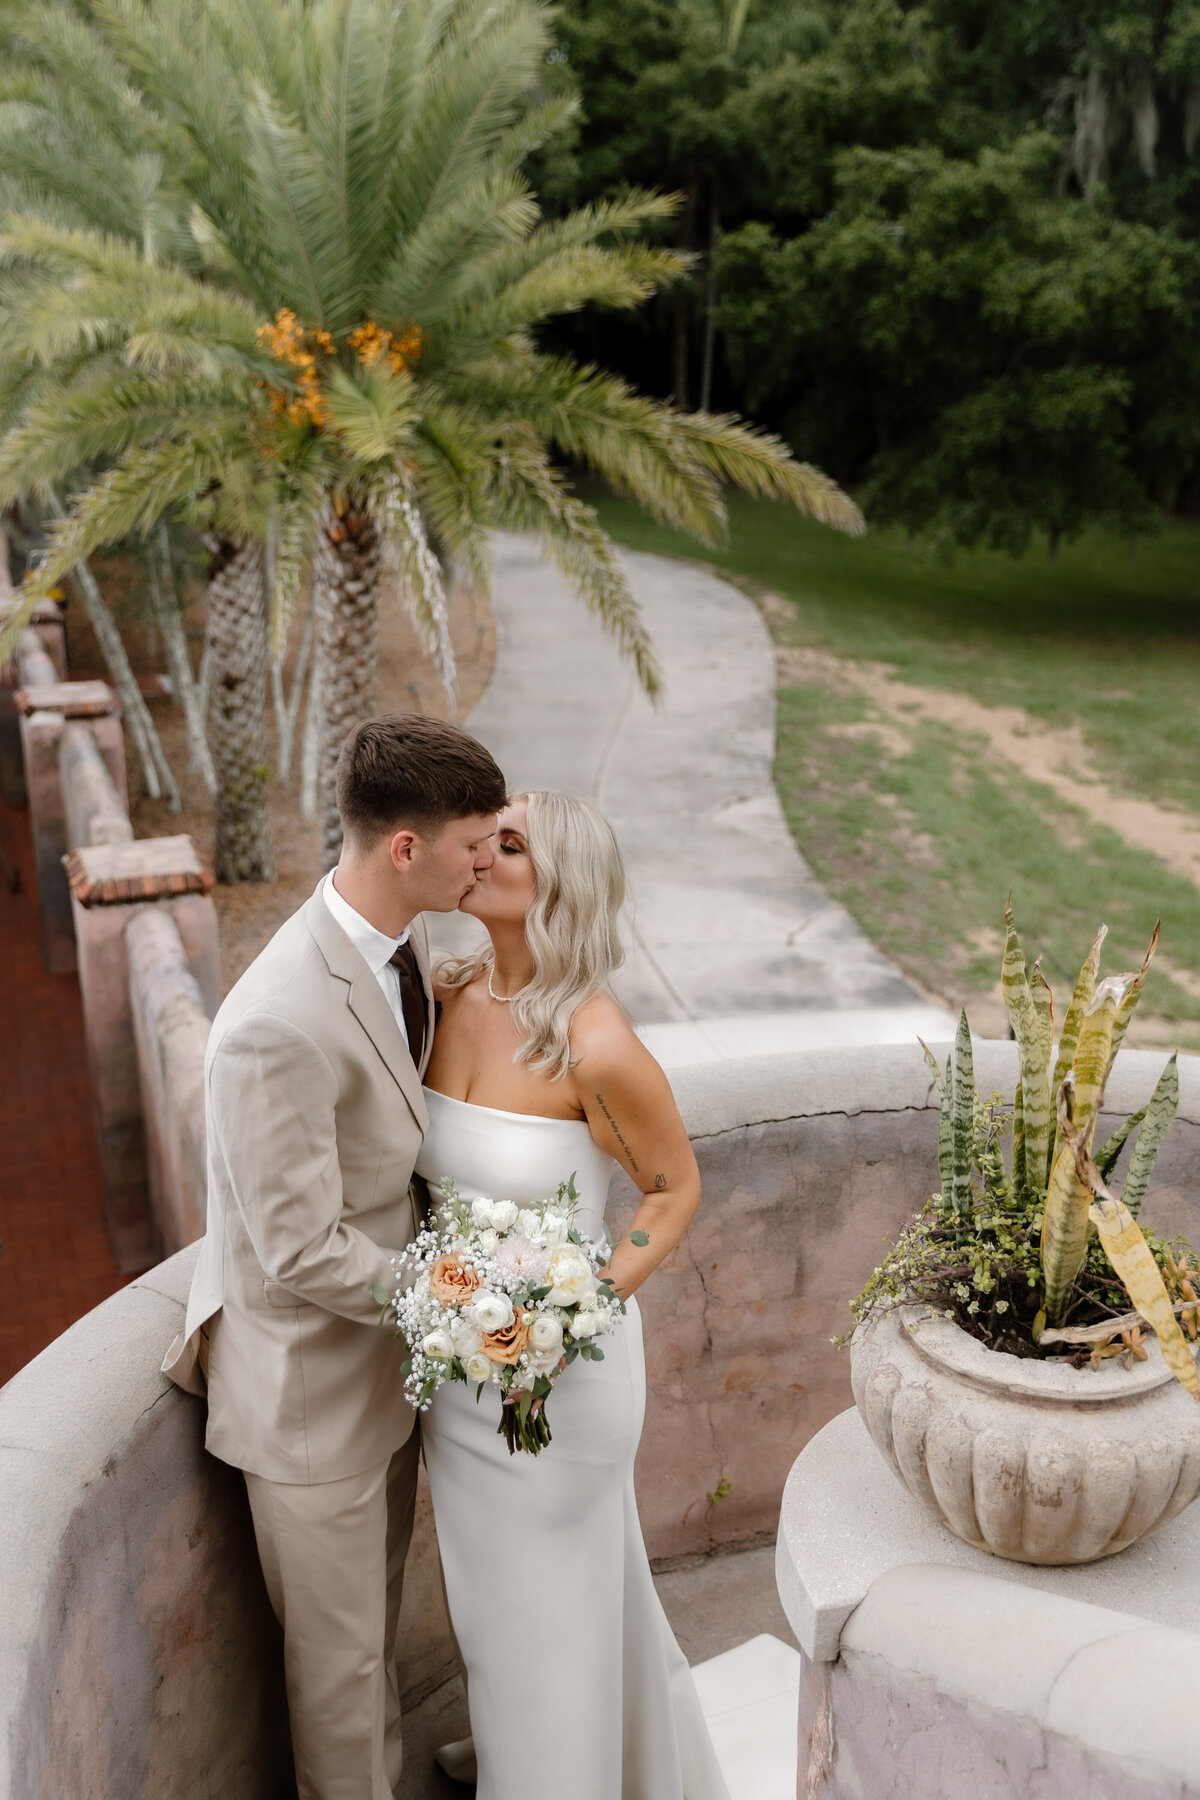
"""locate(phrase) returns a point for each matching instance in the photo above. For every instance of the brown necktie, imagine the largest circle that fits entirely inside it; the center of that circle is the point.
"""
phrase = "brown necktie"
(412, 1000)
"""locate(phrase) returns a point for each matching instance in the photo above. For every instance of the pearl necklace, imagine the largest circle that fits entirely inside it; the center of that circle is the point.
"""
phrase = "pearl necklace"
(504, 999)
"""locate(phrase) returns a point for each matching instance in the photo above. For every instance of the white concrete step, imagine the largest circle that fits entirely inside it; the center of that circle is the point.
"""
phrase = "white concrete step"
(750, 1697)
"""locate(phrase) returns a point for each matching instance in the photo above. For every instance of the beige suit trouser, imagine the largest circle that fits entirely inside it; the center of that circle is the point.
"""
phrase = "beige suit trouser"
(333, 1557)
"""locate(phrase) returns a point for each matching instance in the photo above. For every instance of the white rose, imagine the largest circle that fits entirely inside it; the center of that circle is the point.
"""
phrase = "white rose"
(546, 1333)
(478, 1367)
(487, 1242)
(586, 1325)
(438, 1344)
(553, 1230)
(504, 1214)
(481, 1211)
(569, 1275)
(465, 1336)
(490, 1312)
(529, 1223)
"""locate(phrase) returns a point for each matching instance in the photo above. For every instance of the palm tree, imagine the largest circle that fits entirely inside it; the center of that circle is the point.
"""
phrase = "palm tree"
(354, 374)
(80, 148)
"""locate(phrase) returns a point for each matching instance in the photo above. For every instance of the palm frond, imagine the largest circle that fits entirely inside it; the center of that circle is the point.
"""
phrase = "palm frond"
(530, 495)
(408, 557)
(761, 464)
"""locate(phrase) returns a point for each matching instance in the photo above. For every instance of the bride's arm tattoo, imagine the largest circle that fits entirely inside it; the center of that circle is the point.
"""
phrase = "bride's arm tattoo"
(629, 1157)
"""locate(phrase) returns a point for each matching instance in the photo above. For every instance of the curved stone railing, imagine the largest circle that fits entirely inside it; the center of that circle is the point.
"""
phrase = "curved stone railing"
(62, 749)
(137, 1653)
(170, 1026)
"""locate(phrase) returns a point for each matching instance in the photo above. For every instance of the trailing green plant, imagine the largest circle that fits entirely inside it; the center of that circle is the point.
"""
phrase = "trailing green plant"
(1025, 1246)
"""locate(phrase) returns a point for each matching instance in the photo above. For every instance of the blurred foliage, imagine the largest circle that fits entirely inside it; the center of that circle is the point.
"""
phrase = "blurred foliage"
(950, 250)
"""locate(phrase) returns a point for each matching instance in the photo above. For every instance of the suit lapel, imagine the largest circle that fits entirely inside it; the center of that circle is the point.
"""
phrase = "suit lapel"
(366, 1002)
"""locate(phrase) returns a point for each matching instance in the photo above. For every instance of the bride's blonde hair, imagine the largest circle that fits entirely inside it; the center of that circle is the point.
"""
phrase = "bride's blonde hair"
(571, 925)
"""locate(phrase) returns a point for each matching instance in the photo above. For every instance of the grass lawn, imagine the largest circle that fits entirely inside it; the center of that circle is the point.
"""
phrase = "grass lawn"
(922, 834)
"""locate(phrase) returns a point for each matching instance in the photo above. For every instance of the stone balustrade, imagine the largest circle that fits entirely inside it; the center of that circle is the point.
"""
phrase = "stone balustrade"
(136, 1636)
(83, 718)
(171, 1019)
(146, 1009)
(150, 1133)
(43, 638)
(95, 809)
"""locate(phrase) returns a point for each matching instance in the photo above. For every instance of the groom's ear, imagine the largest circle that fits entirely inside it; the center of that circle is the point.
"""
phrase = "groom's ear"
(400, 849)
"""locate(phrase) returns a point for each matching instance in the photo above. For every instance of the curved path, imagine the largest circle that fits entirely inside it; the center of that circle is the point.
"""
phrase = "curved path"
(735, 946)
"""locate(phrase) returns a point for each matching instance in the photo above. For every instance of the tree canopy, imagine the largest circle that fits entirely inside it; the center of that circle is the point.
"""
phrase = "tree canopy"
(950, 250)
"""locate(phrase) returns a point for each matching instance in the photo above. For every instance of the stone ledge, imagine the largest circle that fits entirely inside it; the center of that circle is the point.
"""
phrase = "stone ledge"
(45, 612)
(716, 1097)
(1034, 1670)
(846, 1521)
(72, 699)
(144, 869)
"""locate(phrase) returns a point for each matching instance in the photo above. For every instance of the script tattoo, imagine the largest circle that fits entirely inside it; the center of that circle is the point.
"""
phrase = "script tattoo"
(629, 1158)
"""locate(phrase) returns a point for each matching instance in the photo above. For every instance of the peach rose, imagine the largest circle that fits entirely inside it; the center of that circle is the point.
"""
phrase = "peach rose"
(507, 1344)
(452, 1281)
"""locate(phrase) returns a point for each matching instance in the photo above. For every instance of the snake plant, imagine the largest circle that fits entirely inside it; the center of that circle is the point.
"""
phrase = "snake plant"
(1055, 1169)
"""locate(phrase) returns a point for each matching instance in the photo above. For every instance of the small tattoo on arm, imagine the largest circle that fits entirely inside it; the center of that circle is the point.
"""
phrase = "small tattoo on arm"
(625, 1147)
(660, 1181)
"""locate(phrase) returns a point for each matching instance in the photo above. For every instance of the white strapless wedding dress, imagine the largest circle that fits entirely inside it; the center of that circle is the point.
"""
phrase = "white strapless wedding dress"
(577, 1688)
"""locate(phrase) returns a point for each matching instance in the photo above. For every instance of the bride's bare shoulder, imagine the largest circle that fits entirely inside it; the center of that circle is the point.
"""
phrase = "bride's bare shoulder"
(600, 1032)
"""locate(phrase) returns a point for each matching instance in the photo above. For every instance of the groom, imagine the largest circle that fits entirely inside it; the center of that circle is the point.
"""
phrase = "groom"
(315, 1118)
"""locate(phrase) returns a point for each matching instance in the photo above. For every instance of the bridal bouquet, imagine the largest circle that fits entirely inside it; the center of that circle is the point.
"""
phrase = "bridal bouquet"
(505, 1296)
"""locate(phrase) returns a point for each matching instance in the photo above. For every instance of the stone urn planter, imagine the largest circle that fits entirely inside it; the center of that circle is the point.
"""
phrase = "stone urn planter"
(1033, 1461)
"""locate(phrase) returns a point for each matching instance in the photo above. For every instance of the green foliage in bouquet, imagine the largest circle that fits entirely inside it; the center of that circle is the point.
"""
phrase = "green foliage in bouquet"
(1029, 1250)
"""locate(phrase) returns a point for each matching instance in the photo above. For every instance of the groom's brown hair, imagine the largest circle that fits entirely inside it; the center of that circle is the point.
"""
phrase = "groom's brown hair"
(409, 770)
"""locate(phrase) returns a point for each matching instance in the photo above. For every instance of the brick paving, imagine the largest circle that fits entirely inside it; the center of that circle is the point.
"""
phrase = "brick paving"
(55, 1263)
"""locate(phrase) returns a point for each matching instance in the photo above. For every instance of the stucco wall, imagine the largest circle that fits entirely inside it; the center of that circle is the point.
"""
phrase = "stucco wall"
(951, 1683)
(137, 1654)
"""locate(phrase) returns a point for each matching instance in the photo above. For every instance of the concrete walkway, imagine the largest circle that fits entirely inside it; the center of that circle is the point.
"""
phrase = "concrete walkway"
(735, 946)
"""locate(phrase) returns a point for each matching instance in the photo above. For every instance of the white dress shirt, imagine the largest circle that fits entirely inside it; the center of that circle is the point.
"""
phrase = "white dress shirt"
(375, 949)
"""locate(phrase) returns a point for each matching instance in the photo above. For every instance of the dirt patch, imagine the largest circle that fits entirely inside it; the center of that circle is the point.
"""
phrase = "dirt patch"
(408, 682)
(894, 743)
(1054, 756)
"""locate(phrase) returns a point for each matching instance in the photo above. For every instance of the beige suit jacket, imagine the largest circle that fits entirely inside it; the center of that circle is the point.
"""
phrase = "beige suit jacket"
(315, 1117)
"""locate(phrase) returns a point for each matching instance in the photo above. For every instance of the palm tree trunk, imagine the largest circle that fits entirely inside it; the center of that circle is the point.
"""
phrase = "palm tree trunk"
(287, 706)
(237, 712)
(310, 747)
(347, 571)
(169, 619)
(157, 777)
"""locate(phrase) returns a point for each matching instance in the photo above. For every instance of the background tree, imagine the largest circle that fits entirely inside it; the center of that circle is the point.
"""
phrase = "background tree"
(925, 213)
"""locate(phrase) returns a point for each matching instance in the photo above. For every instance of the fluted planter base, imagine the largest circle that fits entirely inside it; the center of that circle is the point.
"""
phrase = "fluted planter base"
(1032, 1461)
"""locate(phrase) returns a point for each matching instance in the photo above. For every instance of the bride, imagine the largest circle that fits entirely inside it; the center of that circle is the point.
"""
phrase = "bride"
(575, 1682)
